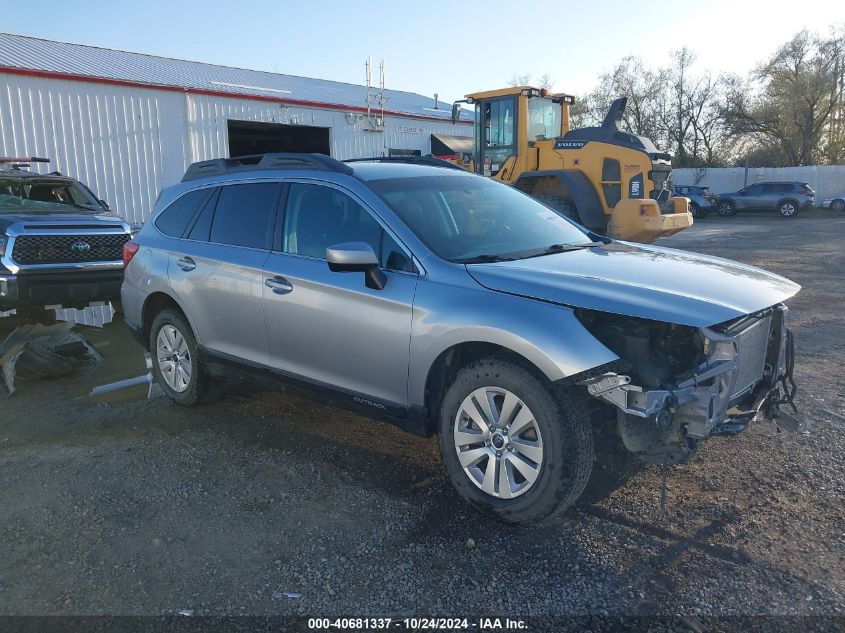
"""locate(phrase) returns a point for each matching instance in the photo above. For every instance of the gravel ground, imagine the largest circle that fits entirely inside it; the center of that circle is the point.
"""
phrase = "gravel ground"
(135, 506)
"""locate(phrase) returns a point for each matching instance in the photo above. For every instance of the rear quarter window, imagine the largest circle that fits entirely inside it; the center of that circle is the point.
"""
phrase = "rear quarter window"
(174, 220)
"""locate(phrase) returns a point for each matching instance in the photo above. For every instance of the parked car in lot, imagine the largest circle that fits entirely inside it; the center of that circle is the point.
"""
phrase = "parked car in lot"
(701, 201)
(837, 202)
(59, 244)
(787, 198)
(450, 304)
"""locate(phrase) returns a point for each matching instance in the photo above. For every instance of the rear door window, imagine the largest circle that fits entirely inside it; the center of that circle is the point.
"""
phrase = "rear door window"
(244, 214)
(174, 220)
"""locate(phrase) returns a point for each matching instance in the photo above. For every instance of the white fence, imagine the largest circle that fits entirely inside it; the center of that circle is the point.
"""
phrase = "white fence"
(826, 180)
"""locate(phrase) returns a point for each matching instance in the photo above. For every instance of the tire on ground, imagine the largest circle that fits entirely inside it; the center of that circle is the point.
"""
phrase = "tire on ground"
(198, 387)
(565, 429)
(565, 207)
(726, 208)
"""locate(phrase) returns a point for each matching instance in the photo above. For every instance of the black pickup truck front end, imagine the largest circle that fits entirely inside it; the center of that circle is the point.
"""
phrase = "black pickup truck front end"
(45, 261)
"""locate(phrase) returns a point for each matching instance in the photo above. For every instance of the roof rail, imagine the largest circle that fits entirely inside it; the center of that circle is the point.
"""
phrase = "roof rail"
(24, 159)
(428, 159)
(280, 160)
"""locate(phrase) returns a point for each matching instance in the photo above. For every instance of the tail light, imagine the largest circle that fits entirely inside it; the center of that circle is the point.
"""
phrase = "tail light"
(129, 250)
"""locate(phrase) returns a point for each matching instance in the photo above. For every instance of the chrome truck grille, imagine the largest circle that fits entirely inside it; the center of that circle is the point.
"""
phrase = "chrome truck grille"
(751, 344)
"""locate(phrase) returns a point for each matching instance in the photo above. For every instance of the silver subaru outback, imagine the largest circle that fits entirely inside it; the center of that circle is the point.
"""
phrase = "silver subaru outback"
(450, 304)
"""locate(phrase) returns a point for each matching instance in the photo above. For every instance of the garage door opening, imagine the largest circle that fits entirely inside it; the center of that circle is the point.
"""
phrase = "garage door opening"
(249, 137)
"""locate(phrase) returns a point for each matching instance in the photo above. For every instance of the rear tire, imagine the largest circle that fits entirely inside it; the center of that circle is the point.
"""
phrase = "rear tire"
(176, 364)
(526, 466)
(788, 208)
(726, 208)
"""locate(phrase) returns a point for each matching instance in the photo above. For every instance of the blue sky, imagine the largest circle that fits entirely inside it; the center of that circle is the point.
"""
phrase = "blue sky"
(432, 46)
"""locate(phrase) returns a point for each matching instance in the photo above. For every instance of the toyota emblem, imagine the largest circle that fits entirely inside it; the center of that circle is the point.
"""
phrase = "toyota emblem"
(80, 247)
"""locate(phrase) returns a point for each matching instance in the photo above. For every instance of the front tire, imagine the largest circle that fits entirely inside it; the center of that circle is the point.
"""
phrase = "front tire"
(726, 208)
(175, 354)
(565, 207)
(514, 447)
(696, 211)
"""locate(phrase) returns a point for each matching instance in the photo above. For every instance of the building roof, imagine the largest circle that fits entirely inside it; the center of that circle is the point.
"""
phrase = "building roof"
(34, 56)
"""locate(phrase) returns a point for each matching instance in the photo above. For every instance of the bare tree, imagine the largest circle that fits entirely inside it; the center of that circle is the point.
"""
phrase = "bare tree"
(544, 81)
(797, 91)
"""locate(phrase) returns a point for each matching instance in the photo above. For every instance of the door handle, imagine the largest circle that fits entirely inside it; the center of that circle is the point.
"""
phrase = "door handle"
(279, 285)
(186, 263)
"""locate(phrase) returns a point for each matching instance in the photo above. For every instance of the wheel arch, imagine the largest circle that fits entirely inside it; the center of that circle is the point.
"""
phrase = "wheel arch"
(154, 303)
(570, 185)
(451, 360)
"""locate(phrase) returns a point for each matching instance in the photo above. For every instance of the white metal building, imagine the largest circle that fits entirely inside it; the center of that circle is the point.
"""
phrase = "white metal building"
(128, 124)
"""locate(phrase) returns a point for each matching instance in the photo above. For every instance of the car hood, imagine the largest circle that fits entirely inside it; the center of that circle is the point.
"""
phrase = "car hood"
(9, 218)
(649, 282)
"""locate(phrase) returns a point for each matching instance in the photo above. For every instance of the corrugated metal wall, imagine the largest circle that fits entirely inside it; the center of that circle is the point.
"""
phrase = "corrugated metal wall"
(826, 180)
(127, 143)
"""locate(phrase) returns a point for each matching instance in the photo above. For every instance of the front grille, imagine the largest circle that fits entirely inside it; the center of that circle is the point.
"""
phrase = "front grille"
(68, 249)
(751, 346)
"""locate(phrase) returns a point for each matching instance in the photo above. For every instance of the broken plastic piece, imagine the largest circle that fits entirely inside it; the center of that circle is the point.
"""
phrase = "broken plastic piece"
(33, 352)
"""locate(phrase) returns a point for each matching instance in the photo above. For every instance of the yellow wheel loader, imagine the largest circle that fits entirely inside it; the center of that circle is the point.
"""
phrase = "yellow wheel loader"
(612, 182)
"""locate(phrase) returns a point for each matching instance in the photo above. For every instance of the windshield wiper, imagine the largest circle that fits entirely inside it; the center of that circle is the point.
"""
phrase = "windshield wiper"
(560, 248)
(485, 259)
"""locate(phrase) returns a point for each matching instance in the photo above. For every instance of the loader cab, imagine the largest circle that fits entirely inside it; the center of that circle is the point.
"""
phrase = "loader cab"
(508, 123)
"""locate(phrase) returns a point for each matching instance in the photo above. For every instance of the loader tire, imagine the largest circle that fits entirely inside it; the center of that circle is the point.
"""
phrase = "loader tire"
(564, 207)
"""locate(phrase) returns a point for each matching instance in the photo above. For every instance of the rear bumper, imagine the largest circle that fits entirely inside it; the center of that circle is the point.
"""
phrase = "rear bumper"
(66, 288)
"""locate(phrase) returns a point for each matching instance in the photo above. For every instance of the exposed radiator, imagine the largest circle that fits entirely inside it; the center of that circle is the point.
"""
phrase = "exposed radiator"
(751, 344)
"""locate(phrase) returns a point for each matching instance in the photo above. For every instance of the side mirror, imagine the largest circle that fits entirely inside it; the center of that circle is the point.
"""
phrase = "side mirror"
(358, 257)
(456, 112)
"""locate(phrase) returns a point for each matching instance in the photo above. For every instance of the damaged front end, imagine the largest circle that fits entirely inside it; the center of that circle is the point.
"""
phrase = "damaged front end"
(676, 385)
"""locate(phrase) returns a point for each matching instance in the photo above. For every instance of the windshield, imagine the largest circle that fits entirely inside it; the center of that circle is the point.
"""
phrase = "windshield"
(33, 195)
(463, 218)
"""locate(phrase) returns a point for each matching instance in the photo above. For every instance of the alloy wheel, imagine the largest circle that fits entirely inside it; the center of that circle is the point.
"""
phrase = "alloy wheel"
(174, 358)
(726, 209)
(498, 442)
(787, 209)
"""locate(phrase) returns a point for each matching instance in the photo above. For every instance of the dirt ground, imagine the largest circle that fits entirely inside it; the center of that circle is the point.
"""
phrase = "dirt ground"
(264, 503)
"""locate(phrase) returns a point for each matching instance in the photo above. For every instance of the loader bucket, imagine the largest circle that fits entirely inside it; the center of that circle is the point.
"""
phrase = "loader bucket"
(641, 220)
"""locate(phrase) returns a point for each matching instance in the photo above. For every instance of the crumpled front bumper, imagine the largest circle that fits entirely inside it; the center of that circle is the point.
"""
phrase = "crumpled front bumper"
(741, 379)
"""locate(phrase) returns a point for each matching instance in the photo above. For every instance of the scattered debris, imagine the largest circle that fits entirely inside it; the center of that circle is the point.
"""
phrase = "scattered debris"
(121, 384)
(470, 543)
(188, 612)
(36, 352)
(146, 379)
(94, 315)
(292, 595)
